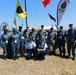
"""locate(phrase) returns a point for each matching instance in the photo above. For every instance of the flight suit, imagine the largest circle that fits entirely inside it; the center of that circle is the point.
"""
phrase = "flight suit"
(5, 44)
(14, 44)
(70, 42)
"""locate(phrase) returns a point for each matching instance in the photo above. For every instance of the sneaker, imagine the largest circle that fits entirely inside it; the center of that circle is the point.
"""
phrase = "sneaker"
(73, 58)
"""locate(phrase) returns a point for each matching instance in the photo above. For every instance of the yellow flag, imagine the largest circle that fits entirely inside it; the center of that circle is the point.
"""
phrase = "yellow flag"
(20, 12)
(15, 21)
(38, 27)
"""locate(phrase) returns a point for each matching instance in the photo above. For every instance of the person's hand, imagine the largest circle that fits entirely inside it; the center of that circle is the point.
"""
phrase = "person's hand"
(38, 50)
(75, 42)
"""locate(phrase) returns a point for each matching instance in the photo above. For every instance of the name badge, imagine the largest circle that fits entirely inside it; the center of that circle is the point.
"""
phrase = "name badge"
(6, 41)
(15, 41)
(22, 37)
(60, 37)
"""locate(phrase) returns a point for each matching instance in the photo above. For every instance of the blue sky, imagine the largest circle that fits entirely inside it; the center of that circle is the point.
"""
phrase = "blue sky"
(36, 13)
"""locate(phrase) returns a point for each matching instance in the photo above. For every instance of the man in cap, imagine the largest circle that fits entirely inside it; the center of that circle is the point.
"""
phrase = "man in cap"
(61, 41)
(42, 32)
(26, 34)
(21, 41)
(51, 39)
(5, 43)
(33, 34)
(71, 41)
(14, 37)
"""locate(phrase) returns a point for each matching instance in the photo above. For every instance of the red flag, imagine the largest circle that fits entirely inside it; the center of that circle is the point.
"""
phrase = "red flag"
(45, 2)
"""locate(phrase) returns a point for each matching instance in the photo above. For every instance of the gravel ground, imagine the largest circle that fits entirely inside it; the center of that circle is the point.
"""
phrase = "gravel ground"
(52, 65)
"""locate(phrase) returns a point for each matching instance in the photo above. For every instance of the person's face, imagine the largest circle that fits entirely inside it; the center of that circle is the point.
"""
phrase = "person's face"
(30, 39)
(42, 28)
(27, 28)
(14, 32)
(71, 27)
(51, 29)
(20, 28)
(61, 29)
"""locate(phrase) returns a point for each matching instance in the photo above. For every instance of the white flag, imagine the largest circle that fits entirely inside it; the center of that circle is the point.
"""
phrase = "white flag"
(61, 9)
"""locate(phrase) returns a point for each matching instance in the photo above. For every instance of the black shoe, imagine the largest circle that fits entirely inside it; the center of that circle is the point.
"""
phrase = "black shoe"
(60, 55)
(34, 58)
(4, 58)
(17, 57)
(22, 55)
(28, 58)
(63, 55)
(14, 58)
(73, 58)
(42, 58)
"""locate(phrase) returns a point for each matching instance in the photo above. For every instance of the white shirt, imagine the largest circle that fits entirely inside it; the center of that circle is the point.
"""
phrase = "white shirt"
(43, 45)
(30, 44)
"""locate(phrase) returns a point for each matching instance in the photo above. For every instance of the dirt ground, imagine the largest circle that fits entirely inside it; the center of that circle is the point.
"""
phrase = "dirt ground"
(52, 65)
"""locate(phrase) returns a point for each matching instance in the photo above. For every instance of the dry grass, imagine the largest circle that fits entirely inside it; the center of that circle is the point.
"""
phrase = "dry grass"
(52, 65)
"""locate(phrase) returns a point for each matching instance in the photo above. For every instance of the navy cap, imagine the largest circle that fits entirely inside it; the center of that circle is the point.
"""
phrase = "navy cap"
(14, 29)
(61, 27)
(70, 25)
(51, 28)
(42, 25)
(20, 26)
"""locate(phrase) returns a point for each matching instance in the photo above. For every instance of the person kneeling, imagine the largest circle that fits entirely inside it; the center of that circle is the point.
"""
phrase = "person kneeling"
(30, 46)
(42, 48)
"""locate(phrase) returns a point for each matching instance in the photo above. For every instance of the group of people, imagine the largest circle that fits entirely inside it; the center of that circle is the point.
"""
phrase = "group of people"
(38, 43)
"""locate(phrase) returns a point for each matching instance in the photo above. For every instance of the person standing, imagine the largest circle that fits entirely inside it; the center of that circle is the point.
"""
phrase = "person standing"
(51, 39)
(70, 41)
(14, 38)
(5, 43)
(42, 32)
(21, 41)
(61, 41)
(33, 34)
(26, 34)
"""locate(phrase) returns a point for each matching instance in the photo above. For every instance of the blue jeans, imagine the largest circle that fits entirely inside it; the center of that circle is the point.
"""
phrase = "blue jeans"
(43, 53)
(30, 51)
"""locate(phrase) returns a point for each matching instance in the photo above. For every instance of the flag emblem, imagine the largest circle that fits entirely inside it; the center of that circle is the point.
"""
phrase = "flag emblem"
(19, 9)
(20, 12)
(64, 4)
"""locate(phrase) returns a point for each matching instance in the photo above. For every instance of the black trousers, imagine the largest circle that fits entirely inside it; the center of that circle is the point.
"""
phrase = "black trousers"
(62, 47)
(71, 46)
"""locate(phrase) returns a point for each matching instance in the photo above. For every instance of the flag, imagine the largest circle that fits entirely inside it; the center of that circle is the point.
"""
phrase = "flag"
(20, 12)
(61, 9)
(38, 27)
(51, 17)
(15, 21)
(45, 2)
(57, 27)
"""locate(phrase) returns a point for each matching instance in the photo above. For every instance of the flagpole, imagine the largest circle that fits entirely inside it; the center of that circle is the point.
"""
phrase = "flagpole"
(26, 11)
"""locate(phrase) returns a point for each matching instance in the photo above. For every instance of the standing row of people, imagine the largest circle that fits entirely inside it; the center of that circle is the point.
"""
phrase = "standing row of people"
(38, 42)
